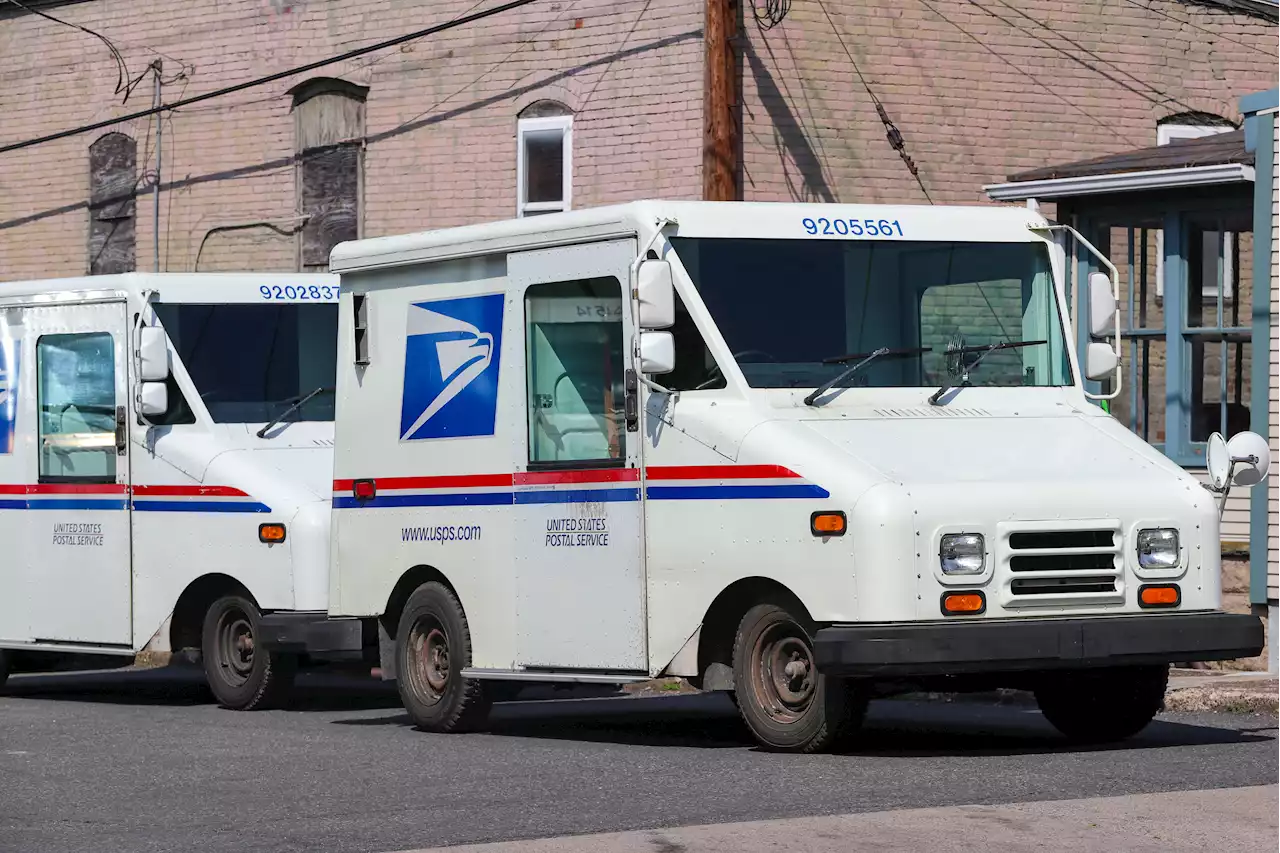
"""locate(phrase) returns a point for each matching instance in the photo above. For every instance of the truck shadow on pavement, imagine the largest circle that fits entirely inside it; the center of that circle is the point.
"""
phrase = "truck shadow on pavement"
(893, 727)
(185, 686)
(897, 727)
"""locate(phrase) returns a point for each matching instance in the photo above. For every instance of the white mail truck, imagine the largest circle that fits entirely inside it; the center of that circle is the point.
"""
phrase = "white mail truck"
(165, 455)
(806, 454)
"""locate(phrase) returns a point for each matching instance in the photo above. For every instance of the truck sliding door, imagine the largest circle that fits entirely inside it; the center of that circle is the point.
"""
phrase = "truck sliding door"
(75, 469)
(579, 571)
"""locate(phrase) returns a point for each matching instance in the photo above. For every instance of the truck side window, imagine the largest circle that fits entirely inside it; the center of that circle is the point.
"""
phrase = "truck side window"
(576, 365)
(696, 368)
(77, 400)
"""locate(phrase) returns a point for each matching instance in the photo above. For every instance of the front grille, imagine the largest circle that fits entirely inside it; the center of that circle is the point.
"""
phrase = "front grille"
(1054, 586)
(1062, 539)
(1061, 566)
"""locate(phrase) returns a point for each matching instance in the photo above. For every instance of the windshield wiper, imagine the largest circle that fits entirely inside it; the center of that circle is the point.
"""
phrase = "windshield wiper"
(936, 397)
(297, 403)
(866, 358)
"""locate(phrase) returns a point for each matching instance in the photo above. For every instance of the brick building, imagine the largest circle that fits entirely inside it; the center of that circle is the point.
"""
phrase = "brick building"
(436, 132)
(573, 103)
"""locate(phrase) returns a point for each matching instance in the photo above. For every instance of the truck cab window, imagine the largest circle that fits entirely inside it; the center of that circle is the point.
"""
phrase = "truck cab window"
(76, 377)
(250, 362)
(576, 365)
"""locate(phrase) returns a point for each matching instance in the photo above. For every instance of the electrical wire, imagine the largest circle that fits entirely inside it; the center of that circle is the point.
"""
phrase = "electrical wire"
(123, 82)
(1206, 30)
(891, 130)
(773, 13)
(270, 78)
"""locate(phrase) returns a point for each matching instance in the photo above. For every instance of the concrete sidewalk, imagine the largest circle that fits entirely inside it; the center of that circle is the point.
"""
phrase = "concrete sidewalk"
(1230, 818)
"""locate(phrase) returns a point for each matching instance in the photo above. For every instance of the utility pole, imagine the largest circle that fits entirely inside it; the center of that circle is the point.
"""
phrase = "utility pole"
(157, 67)
(719, 142)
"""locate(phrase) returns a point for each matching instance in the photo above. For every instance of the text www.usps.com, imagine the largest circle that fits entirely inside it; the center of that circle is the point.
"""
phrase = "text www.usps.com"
(447, 533)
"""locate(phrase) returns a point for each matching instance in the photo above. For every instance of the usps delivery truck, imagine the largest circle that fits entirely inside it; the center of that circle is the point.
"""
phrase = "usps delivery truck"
(806, 454)
(165, 457)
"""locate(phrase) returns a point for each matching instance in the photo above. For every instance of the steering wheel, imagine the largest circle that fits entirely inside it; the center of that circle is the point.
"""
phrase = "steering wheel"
(714, 370)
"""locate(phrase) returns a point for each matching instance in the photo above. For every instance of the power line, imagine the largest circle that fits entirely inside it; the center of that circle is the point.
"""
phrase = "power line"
(270, 78)
(1206, 30)
(772, 14)
(891, 130)
(123, 81)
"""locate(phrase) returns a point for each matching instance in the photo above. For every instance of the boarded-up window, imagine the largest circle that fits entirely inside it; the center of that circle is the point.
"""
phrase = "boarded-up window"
(113, 177)
(329, 130)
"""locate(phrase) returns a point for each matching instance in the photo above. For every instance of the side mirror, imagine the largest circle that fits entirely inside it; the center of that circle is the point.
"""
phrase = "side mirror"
(657, 352)
(1102, 306)
(153, 354)
(657, 293)
(153, 399)
(1100, 361)
(1242, 461)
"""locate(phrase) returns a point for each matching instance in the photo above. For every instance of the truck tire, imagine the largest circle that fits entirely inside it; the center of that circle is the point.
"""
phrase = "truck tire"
(1104, 705)
(242, 677)
(433, 646)
(786, 703)
(4, 667)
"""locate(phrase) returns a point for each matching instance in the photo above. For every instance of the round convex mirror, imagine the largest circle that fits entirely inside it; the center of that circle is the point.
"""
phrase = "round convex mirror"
(1252, 457)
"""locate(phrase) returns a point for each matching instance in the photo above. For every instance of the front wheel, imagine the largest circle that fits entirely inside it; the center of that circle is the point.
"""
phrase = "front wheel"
(433, 646)
(242, 676)
(1104, 705)
(788, 705)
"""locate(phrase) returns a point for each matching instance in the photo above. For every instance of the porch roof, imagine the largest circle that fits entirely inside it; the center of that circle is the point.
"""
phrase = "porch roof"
(1217, 159)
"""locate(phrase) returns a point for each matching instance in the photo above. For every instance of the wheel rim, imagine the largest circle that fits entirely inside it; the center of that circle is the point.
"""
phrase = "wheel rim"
(428, 659)
(784, 677)
(235, 646)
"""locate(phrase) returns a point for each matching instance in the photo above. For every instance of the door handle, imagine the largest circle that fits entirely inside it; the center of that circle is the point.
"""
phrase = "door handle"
(631, 402)
(122, 432)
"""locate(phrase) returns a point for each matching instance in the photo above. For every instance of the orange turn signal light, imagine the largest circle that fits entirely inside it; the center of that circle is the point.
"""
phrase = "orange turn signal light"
(271, 533)
(1164, 595)
(827, 524)
(969, 601)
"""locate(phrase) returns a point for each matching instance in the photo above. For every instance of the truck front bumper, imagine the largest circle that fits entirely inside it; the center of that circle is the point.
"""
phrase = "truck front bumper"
(979, 646)
(312, 633)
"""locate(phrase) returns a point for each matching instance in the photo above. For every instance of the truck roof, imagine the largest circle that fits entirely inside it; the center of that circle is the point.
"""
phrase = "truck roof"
(758, 220)
(172, 287)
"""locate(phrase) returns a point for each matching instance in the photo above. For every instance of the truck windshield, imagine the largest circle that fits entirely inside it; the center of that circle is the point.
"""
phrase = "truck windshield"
(250, 362)
(790, 310)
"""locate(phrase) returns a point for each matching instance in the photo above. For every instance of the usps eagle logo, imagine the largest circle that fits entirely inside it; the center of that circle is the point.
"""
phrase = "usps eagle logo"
(8, 393)
(451, 368)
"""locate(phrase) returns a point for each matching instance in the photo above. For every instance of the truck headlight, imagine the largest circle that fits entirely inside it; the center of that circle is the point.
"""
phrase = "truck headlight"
(962, 554)
(1158, 548)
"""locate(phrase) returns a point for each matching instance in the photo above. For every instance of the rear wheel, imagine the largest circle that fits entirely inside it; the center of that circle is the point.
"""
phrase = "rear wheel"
(433, 646)
(788, 705)
(242, 676)
(1104, 705)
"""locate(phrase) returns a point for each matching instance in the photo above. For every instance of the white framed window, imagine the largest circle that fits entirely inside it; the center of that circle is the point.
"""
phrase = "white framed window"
(544, 165)
(1165, 134)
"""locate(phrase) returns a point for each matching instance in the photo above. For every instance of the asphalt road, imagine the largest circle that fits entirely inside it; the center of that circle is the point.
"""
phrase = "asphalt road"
(142, 761)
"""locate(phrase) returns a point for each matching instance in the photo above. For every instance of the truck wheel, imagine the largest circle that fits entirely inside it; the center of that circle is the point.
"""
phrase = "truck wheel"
(4, 667)
(433, 646)
(788, 705)
(1105, 705)
(242, 677)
